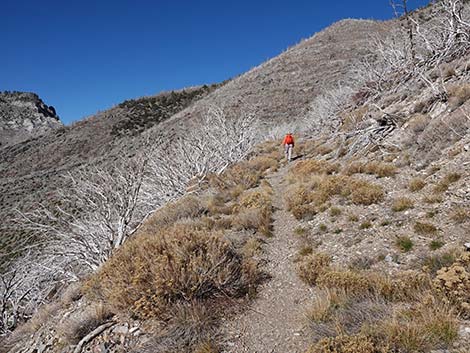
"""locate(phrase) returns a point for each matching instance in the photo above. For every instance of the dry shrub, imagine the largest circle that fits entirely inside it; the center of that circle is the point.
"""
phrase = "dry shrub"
(444, 184)
(402, 204)
(305, 169)
(310, 267)
(255, 211)
(416, 184)
(351, 282)
(72, 293)
(424, 228)
(304, 212)
(240, 176)
(327, 301)
(435, 262)
(453, 284)
(460, 214)
(80, 323)
(151, 272)
(418, 122)
(405, 286)
(216, 205)
(192, 328)
(353, 117)
(252, 247)
(187, 207)
(255, 199)
(345, 344)
(458, 94)
(432, 198)
(258, 219)
(306, 147)
(302, 198)
(267, 148)
(375, 168)
(367, 193)
(421, 328)
(324, 149)
(207, 347)
(263, 164)
(447, 70)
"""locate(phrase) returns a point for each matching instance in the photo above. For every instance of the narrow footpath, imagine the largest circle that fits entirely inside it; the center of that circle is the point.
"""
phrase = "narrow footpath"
(275, 321)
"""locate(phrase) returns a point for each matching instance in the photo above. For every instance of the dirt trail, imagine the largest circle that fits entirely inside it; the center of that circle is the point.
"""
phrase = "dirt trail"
(275, 321)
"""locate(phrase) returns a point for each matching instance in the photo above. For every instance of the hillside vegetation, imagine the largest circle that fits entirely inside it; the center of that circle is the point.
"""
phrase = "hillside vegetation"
(217, 244)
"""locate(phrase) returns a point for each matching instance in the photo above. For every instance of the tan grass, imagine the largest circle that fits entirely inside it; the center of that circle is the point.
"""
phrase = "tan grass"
(187, 207)
(460, 214)
(444, 184)
(80, 323)
(416, 184)
(458, 94)
(379, 169)
(424, 228)
(310, 267)
(402, 204)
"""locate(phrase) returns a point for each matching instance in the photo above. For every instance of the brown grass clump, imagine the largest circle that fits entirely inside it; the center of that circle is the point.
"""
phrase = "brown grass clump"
(258, 219)
(306, 199)
(416, 184)
(151, 272)
(304, 169)
(80, 323)
(191, 328)
(460, 214)
(255, 211)
(421, 328)
(453, 283)
(345, 344)
(424, 228)
(367, 194)
(432, 198)
(325, 304)
(444, 184)
(418, 122)
(351, 282)
(255, 199)
(312, 266)
(458, 94)
(186, 207)
(376, 168)
(402, 204)
(263, 163)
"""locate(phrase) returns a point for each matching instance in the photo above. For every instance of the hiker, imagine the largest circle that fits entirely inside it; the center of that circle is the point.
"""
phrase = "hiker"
(288, 145)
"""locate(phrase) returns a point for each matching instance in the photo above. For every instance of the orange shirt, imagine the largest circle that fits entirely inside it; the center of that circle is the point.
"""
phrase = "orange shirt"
(288, 140)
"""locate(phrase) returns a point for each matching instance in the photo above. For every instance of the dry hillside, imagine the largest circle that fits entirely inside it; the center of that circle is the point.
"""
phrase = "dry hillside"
(360, 244)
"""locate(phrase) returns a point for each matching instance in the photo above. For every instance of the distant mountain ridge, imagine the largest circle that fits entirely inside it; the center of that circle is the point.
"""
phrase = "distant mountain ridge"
(24, 115)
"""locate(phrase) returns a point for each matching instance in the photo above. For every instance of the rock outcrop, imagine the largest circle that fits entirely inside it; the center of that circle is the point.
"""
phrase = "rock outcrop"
(24, 115)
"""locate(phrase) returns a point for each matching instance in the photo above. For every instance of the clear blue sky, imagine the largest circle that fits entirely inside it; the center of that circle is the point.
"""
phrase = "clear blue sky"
(82, 56)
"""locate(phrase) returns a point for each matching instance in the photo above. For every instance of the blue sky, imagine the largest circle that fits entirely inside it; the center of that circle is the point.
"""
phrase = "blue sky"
(88, 55)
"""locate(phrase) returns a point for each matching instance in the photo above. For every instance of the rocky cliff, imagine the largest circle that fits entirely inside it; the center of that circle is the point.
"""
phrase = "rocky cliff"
(24, 115)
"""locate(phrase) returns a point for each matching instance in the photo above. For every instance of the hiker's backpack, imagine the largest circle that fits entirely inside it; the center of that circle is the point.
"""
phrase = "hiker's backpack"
(289, 140)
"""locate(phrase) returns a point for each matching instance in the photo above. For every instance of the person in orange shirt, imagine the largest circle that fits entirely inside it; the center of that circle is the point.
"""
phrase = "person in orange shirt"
(288, 144)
